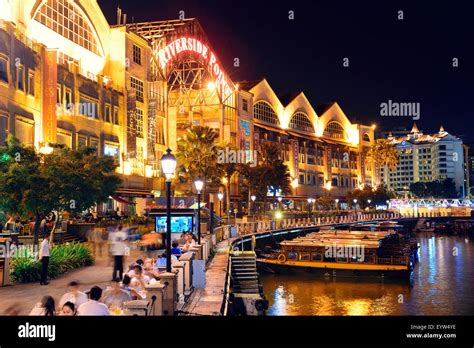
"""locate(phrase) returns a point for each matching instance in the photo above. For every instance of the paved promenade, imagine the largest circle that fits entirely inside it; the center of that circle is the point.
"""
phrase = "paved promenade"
(23, 297)
(208, 301)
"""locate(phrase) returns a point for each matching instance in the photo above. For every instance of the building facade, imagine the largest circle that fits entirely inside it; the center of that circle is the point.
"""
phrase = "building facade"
(131, 90)
(424, 158)
(325, 152)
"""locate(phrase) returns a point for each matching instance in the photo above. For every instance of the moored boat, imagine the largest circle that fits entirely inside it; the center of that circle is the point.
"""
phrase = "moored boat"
(342, 253)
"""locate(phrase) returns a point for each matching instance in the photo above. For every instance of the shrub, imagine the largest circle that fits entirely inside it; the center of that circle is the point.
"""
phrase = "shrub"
(25, 267)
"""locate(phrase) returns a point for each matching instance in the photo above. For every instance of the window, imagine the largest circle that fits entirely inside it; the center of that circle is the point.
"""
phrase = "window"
(366, 138)
(111, 150)
(3, 69)
(139, 123)
(3, 128)
(88, 107)
(137, 85)
(107, 113)
(442, 147)
(81, 142)
(95, 144)
(301, 122)
(31, 83)
(334, 130)
(245, 105)
(20, 77)
(59, 100)
(116, 115)
(301, 179)
(137, 55)
(264, 112)
(68, 97)
(63, 17)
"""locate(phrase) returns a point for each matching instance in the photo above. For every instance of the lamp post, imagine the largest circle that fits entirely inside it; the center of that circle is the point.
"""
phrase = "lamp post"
(168, 166)
(337, 204)
(369, 201)
(355, 205)
(199, 185)
(309, 206)
(220, 195)
(253, 198)
(279, 202)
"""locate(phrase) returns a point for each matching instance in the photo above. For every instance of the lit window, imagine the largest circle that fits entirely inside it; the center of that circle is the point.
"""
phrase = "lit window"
(137, 85)
(334, 130)
(58, 94)
(63, 17)
(301, 122)
(263, 111)
(20, 77)
(137, 55)
(3, 69)
(139, 123)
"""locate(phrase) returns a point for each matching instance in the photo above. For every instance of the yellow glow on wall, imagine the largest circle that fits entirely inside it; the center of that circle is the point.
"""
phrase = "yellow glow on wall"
(127, 168)
(6, 10)
(353, 136)
(148, 171)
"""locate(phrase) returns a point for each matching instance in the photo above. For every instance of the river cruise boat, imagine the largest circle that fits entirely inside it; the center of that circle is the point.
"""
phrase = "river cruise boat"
(344, 253)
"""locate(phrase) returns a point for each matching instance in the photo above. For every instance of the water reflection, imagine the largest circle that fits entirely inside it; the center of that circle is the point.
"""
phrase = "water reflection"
(441, 285)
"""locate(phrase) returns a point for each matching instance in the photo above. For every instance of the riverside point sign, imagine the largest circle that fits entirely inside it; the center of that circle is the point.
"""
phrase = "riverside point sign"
(187, 44)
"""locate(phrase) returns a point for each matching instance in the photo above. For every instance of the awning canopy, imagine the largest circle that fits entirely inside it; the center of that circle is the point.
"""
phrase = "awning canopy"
(122, 200)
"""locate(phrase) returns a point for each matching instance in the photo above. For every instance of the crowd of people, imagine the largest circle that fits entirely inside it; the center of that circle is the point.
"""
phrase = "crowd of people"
(124, 287)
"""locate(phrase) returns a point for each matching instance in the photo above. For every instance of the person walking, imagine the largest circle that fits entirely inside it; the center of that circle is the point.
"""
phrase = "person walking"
(118, 249)
(44, 258)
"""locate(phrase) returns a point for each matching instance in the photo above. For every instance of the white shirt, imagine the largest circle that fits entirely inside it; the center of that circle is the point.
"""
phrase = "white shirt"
(93, 307)
(117, 244)
(44, 248)
(77, 299)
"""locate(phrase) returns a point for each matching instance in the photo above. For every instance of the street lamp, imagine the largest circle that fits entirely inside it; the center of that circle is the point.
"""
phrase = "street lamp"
(199, 185)
(253, 198)
(355, 204)
(337, 203)
(168, 166)
(369, 201)
(220, 195)
(309, 206)
(328, 186)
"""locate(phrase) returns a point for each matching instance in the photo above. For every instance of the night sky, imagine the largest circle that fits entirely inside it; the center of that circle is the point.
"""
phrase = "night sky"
(403, 61)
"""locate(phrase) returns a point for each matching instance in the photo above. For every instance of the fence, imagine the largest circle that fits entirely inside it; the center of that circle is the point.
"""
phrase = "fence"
(244, 228)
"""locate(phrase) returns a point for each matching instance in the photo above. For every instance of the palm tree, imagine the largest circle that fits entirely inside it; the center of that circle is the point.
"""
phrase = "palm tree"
(197, 154)
(384, 154)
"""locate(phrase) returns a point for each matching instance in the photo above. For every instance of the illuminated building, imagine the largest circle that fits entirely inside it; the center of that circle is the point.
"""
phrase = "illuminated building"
(326, 153)
(425, 157)
(132, 89)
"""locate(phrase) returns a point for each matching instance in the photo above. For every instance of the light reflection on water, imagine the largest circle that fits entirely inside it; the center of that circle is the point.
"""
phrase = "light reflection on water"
(442, 284)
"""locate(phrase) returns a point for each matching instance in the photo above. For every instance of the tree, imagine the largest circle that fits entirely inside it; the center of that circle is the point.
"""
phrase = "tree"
(434, 189)
(379, 196)
(65, 180)
(197, 155)
(270, 173)
(384, 154)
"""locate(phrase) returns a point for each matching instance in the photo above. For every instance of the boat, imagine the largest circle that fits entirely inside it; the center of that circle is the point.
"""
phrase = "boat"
(344, 253)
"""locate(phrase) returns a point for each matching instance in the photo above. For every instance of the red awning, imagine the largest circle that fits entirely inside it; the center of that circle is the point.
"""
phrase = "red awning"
(121, 200)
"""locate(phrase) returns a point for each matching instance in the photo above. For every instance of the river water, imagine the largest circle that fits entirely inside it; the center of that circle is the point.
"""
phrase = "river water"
(442, 284)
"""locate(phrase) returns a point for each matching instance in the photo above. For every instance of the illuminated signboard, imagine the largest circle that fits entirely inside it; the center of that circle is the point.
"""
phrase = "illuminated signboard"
(187, 44)
(110, 150)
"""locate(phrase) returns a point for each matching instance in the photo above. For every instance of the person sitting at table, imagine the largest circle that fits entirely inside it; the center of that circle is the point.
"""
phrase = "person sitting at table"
(126, 282)
(93, 306)
(68, 309)
(73, 295)
(44, 308)
(116, 296)
(189, 243)
(131, 268)
(176, 250)
(139, 280)
(161, 261)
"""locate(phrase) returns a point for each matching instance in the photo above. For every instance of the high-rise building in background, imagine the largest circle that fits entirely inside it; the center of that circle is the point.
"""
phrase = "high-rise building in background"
(426, 157)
